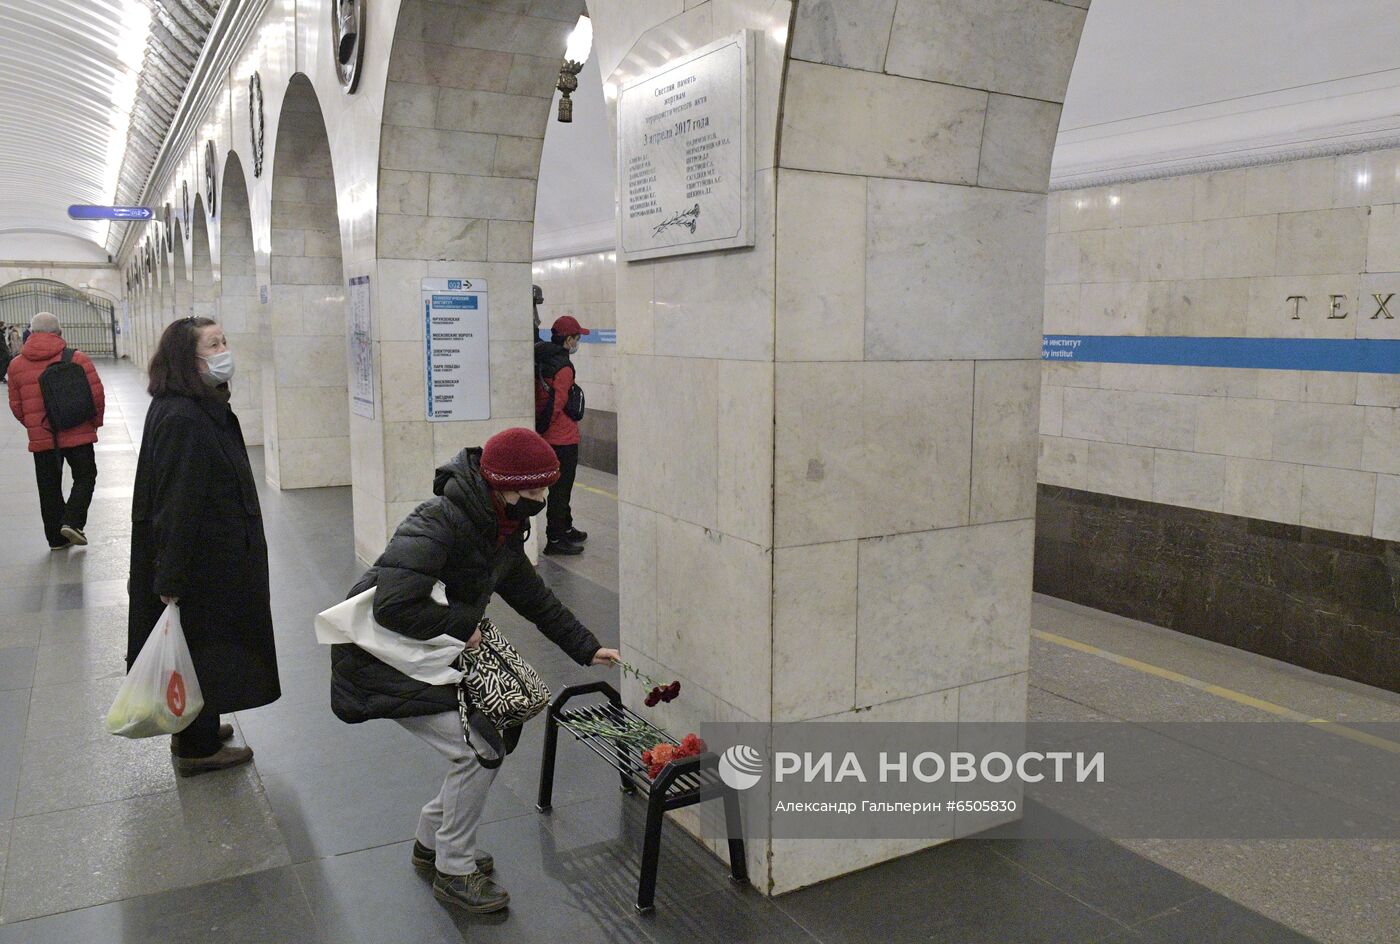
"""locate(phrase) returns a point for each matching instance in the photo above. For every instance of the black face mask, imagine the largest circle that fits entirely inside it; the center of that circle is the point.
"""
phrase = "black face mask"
(524, 509)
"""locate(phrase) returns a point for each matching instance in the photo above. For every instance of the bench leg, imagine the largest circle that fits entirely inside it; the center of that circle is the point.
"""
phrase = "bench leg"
(551, 746)
(628, 786)
(734, 826)
(651, 851)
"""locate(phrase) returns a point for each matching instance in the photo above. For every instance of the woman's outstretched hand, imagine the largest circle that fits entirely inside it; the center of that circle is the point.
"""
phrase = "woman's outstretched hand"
(606, 657)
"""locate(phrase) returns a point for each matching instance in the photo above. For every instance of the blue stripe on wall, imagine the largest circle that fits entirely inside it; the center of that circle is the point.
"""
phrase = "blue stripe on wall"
(1356, 356)
(596, 336)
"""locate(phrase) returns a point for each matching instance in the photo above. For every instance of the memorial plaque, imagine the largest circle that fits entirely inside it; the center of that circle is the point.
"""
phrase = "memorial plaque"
(361, 348)
(685, 153)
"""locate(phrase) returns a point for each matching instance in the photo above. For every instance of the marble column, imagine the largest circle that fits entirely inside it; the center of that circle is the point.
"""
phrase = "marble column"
(827, 443)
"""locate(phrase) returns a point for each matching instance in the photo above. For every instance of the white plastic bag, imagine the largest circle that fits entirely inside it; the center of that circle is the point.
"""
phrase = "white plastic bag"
(161, 694)
(428, 661)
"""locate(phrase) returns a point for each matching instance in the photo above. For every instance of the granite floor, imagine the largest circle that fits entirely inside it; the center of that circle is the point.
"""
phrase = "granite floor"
(99, 842)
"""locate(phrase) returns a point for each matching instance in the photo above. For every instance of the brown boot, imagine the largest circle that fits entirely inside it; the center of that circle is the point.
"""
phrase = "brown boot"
(224, 758)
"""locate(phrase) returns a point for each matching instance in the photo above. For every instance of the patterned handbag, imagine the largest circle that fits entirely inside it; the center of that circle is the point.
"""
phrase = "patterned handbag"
(498, 693)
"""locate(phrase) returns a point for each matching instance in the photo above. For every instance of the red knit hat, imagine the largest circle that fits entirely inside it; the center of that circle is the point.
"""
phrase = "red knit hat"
(519, 459)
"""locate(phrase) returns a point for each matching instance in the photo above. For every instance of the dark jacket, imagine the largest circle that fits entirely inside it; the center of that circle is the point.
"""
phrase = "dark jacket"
(558, 371)
(27, 400)
(197, 534)
(451, 538)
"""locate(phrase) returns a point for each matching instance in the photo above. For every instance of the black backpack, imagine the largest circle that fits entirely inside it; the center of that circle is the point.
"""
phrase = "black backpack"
(544, 401)
(67, 395)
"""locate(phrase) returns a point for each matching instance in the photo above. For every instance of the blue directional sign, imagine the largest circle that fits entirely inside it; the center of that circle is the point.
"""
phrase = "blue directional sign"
(82, 211)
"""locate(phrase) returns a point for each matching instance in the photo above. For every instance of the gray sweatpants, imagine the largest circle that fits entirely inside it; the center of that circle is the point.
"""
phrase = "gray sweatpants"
(448, 823)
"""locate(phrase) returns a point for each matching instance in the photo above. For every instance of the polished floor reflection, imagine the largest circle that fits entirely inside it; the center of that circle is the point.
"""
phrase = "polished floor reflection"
(100, 842)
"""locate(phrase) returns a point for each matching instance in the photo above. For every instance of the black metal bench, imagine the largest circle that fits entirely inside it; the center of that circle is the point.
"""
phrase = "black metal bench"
(681, 783)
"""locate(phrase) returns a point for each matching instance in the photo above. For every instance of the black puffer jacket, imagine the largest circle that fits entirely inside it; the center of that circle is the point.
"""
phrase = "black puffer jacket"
(451, 538)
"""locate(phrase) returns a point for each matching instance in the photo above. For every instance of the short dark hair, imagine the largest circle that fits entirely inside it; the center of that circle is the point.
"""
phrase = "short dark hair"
(173, 368)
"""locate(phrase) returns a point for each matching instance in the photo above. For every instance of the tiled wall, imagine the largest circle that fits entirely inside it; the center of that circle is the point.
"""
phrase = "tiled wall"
(1217, 255)
(586, 287)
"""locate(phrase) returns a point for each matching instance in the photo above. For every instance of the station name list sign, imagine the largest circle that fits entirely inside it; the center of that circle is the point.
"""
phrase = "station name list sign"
(685, 153)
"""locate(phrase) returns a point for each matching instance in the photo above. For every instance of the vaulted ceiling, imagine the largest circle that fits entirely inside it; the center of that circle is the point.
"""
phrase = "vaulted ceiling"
(87, 92)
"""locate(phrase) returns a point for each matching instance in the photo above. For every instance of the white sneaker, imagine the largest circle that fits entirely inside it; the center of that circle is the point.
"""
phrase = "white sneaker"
(74, 536)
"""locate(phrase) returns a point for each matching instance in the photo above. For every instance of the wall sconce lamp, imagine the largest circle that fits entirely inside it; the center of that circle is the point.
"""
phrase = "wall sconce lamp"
(576, 52)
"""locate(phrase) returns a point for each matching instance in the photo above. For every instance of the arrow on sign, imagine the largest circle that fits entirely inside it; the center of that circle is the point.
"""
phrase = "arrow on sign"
(82, 211)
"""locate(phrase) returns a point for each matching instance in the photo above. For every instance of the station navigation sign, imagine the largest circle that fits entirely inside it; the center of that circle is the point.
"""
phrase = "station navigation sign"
(83, 211)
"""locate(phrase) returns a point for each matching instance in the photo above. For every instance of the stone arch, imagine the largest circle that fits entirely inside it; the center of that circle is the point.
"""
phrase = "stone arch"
(306, 415)
(238, 298)
(164, 309)
(181, 280)
(203, 297)
(467, 103)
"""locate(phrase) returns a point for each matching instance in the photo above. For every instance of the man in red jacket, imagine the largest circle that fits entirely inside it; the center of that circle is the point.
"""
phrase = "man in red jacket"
(63, 520)
(557, 370)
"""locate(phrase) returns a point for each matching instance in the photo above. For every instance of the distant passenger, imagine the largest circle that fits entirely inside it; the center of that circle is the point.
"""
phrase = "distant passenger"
(558, 408)
(197, 541)
(74, 403)
(472, 538)
(5, 354)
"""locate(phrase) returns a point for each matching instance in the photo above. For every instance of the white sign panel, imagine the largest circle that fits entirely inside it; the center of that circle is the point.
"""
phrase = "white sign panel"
(456, 348)
(361, 349)
(685, 153)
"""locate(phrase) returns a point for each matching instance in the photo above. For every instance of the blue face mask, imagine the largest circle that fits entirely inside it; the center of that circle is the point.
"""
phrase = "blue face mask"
(220, 368)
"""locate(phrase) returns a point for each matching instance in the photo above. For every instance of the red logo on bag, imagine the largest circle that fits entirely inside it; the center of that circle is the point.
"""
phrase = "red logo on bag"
(175, 695)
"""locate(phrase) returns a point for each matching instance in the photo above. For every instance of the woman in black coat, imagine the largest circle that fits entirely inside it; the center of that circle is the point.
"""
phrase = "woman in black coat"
(197, 541)
(471, 537)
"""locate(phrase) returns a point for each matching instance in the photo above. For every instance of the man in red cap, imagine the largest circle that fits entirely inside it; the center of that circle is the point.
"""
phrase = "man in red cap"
(558, 408)
(470, 536)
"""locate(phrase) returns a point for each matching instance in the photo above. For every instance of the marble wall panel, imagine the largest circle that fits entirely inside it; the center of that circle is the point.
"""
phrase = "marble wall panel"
(745, 443)
(1380, 449)
(940, 259)
(1232, 426)
(814, 630)
(1018, 47)
(937, 609)
(1387, 518)
(714, 612)
(1063, 462)
(1338, 499)
(847, 33)
(1378, 389)
(820, 268)
(1188, 479)
(1289, 187)
(1271, 314)
(668, 445)
(1259, 488)
(1319, 434)
(851, 122)
(1321, 241)
(1017, 142)
(1220, 195)
(844, 431)
(1114, 469)
(1004, 445)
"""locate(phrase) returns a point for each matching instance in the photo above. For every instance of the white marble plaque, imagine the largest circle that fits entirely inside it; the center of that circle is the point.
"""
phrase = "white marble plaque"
(457, 349)
(361, 348)
(685, 153)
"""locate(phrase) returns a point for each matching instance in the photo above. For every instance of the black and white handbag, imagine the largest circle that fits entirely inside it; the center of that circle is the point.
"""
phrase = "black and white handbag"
(498, 693)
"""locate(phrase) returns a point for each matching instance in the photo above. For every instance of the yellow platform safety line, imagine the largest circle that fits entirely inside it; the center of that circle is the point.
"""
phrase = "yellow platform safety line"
(1220, 691)
(1148, 668)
